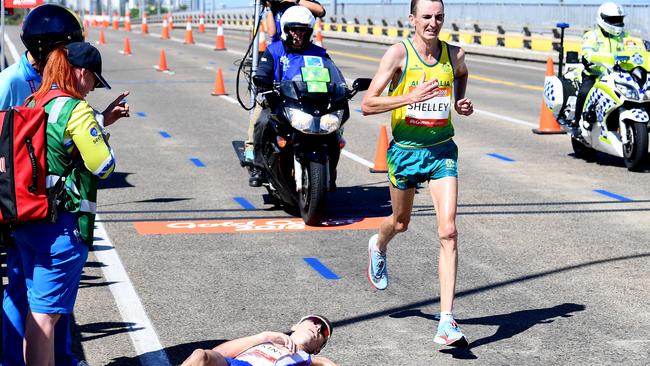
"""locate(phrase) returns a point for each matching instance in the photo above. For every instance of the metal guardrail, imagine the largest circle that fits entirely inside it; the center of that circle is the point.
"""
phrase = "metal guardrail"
(496, 36)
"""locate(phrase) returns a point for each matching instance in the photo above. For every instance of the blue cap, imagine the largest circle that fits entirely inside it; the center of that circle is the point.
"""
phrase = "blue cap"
(85, 55)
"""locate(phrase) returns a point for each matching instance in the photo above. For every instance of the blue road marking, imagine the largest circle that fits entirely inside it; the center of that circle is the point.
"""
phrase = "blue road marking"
(613, 195)
(140, 114)
(357, 110)
(320, 268)
(244, 203)
(197, 162)
(501, 157)
(165, 134)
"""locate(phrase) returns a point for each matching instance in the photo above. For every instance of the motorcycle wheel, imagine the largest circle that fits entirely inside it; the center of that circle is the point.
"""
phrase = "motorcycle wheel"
(634, 152)
(312, 194)
(582, 151)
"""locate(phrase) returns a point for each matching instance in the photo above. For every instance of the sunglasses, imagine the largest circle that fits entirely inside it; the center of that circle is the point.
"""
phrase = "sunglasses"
(323, 327)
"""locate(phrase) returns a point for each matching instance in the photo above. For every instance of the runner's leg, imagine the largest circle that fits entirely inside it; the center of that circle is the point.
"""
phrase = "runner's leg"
(398, 221)
(444, 192)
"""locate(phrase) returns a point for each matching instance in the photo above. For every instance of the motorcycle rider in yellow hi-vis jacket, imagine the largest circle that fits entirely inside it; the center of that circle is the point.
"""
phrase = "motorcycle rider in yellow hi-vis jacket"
(600, 47)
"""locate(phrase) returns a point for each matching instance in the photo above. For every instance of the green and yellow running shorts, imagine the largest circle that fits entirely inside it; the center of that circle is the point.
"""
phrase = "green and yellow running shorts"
(409, 166)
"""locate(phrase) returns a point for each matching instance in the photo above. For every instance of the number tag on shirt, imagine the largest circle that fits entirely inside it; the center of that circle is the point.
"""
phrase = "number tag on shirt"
(433, 112)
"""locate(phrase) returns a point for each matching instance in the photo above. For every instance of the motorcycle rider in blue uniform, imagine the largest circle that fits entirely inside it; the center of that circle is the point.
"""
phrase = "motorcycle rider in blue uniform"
(282, 61)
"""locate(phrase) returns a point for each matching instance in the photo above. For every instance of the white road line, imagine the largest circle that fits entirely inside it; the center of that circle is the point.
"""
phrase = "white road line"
(506, 118)
(230, 99)
(12, 48)
(357, 158)
(142, 333)
(507, 64)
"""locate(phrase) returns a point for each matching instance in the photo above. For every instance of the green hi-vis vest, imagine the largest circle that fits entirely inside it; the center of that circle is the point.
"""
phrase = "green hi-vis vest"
(599, 49)
(81, 184)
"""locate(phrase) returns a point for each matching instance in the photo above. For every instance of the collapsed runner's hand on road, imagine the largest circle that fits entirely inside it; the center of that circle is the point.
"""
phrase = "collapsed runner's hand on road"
(116, 110)
(425, 90)
(464, 107)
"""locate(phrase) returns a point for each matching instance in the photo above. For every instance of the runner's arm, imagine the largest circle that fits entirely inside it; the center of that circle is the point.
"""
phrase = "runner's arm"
(390, 67)
(462, 105)
(233, 348)
(321, 361)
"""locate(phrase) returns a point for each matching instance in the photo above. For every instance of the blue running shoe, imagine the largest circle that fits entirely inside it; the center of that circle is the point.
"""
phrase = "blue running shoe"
(449, 334)
(377, 272)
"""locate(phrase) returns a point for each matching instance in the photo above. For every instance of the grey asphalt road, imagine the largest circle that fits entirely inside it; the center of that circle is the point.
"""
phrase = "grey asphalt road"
(554, 262)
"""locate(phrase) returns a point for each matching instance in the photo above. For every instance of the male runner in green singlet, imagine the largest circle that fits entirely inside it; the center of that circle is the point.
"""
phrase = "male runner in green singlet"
(426, 76)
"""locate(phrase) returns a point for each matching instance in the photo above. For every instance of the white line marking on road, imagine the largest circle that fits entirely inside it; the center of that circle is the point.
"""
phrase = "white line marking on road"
(508, 64)
(357, 158)
(506, 118)
(142, 333)
(12, 48)
(230, 99)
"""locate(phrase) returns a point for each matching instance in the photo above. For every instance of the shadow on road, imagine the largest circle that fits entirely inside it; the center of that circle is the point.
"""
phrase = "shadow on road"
(176, 354)
(509, 325)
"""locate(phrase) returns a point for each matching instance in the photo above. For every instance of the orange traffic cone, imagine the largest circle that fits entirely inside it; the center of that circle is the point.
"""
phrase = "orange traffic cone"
(189, 38)
(86, 24)
(145, 27)
(262, 38)
(165, 29)
(201, 23)
(547, 123)
(116, 21)
(221, 43)
(219, 88)
(127, 47)
(102, 39)
(105, 20)
(93, 19)
(170, 21)
(381, 164)
(162, 65)
(319, 36)
(127, 22)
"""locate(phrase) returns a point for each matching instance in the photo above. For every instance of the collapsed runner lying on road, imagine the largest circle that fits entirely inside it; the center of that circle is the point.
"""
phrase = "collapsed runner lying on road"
(307, 339)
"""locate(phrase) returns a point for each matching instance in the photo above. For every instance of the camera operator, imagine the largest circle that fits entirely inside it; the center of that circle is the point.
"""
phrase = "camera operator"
(278, 7)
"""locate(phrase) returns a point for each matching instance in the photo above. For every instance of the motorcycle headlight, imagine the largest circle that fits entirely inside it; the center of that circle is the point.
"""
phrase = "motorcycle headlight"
(628, 90)
(331, 121)
(299, 120)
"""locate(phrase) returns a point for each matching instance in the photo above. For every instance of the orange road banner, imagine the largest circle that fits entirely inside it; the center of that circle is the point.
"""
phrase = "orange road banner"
(22, 3)
(252, 226)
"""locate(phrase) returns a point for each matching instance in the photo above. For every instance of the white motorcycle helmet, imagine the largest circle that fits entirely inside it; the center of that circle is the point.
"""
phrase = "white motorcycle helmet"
(610, 18)
(297, 16)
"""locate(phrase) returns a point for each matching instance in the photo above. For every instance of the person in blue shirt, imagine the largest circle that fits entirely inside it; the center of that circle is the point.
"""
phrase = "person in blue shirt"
(282, 61)
(45, 27)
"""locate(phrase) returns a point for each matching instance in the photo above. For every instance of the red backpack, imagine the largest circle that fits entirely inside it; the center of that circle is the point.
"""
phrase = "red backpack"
(23, 164)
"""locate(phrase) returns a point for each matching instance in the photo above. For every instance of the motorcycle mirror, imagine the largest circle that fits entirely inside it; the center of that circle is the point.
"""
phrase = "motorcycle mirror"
(361, 84)
(640, 75)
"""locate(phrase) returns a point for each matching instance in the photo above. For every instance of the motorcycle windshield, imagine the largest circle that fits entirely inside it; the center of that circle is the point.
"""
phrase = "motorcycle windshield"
(316, 90)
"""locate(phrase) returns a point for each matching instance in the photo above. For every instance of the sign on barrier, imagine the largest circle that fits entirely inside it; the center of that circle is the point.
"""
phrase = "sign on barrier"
(22, 3)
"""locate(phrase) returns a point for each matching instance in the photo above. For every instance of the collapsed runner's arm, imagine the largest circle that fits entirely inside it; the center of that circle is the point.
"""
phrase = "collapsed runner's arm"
(321, 361)
(235, 347)
(390, 68)
(462, 105)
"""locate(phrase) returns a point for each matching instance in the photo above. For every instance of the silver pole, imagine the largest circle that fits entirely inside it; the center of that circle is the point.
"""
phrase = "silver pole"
(2, 41)
(255, 54)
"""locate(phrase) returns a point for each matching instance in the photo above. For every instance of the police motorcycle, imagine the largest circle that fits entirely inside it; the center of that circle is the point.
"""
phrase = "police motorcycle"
(616, 110)
(299, 146)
